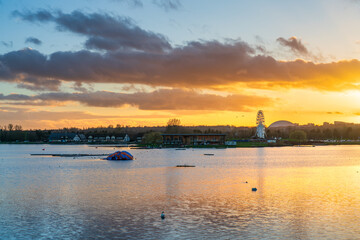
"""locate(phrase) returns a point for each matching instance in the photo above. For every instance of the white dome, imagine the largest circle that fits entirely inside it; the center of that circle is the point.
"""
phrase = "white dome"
(281, 123)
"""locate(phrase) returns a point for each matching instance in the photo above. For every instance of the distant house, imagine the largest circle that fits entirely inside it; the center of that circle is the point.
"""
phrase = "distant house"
(76, 138)
(101, 139)
(126, 138)
(64, 137)
(194, 139)
(123, 138)
(82, 137)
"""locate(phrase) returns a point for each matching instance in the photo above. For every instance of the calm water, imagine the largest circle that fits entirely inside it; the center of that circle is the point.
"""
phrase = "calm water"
(303, 193)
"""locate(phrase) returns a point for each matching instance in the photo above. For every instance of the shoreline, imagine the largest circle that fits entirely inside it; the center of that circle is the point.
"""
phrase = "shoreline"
(142, 146)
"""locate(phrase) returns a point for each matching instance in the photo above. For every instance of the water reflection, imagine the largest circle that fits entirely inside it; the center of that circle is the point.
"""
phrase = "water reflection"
(302, 194)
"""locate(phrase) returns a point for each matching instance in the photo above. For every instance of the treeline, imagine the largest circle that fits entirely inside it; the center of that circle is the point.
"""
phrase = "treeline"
(319, 132)
(15, 133)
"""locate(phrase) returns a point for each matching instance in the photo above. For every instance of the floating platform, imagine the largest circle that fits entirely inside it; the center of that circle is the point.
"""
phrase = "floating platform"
(68, 155)
(185, 165)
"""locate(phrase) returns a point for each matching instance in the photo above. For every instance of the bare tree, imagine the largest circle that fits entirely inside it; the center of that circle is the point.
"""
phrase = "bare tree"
(174, 122)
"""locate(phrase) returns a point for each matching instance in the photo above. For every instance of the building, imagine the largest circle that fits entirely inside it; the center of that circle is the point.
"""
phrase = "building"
(282, 124)
(231, 143)
(66, 137)
(193, 139)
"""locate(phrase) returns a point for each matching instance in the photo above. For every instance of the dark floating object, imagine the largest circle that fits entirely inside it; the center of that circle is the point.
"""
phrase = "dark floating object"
(185, 165)
(180, 149)
(246, 182)
(254, 189)
(120, 155)
(162, 215)
(209, 154)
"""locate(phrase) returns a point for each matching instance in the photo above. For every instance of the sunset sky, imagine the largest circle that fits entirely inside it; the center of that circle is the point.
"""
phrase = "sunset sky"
(87, 63)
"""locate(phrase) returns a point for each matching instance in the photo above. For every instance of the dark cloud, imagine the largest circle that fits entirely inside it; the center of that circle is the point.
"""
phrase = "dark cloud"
(195, 65)
(132, 55)
(104, 32)
(294, 44)
(33, 40)
(39, 84)
(165, 99)
(168, 4)
(7, 44)
(39, 16)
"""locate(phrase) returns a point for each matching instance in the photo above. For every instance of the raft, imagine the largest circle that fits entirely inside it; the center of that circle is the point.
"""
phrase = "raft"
(120, 155)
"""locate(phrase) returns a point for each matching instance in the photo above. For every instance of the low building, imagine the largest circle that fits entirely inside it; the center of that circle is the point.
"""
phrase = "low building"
(231, 143)
(193, 139)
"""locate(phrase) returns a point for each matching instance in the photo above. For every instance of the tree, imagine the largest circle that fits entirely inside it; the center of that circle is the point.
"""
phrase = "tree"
(327, 134)
(18, 127)
(173, 126)
(174, 122)
(298, 135)
(152, 138)
(336, 134)
(10, 126)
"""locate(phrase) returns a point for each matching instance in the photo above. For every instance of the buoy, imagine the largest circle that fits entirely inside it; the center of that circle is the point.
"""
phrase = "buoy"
(162, 215)
(43, 149)
(254, 189)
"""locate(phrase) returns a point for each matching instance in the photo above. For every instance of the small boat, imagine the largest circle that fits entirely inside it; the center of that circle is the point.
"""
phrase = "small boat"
(120, 155)
(208, 154)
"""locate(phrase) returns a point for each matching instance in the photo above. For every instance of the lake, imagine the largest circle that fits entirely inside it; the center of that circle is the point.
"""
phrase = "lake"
(302, 193)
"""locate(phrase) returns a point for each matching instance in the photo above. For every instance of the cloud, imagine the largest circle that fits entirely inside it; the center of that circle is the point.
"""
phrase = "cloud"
(131, 55)
(39, 84)
(164, 99)
(33, 118)
(133, 3)
(104, 32)
(168, 4)
(294, 44)
(195, 65)
(337, 113)
(34, 115)
(33, 40)
(7, 44)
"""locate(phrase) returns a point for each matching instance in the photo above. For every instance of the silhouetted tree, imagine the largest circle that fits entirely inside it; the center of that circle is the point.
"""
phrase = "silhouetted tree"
(298, 135)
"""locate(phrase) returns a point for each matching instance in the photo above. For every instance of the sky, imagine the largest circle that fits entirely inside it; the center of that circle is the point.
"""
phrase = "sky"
(90, 63)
